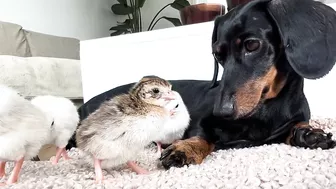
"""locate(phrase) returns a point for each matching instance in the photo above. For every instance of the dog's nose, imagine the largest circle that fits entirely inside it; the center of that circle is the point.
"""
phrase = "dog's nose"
(225, 109)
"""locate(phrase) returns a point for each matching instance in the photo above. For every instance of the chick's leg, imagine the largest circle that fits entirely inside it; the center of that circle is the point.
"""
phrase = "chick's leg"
(2, 168)
(59, 152)
(16, 171)
(136, 168)
(98, 171)
(65, 154)
(159, 148)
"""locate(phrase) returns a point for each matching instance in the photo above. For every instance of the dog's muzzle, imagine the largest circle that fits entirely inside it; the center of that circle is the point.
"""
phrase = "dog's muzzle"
(224, 108)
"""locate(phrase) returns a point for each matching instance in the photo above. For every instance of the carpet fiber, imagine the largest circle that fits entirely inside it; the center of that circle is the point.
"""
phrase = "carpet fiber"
(271, 166)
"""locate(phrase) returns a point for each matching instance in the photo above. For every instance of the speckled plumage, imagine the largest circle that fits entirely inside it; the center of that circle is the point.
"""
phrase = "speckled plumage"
(124, 125)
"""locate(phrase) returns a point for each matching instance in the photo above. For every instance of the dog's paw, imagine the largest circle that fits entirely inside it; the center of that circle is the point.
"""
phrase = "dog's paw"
(177, 155)
(185, 152)
(313, 138)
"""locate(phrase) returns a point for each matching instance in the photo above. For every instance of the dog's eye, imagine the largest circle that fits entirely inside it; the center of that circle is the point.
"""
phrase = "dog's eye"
(252, 45)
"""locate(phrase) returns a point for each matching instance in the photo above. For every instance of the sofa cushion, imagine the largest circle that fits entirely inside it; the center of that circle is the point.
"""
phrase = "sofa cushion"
(52, 46)
(32, 76)
(13, 40)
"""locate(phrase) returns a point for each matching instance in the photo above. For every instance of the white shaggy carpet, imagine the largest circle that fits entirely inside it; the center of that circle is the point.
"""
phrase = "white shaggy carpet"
(272, 166)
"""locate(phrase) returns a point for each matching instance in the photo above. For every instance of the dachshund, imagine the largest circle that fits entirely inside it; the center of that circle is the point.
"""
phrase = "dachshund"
(266, 48)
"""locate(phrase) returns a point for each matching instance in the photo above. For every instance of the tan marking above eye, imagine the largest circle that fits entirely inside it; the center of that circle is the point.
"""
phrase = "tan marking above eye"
(217, 49)
(238, 41)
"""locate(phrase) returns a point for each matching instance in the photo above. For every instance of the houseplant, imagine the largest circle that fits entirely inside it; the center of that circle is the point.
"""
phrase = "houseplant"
(202, 12)
(132, 10)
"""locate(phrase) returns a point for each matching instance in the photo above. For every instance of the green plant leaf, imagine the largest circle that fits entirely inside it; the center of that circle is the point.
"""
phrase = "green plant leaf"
(140, 3)
(179, 4)
(117, 33)
(174, 21)
(123, 2)
(120, 9)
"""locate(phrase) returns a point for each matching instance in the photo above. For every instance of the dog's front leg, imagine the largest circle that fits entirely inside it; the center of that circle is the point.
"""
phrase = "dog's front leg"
(184, 152)
(303, 135)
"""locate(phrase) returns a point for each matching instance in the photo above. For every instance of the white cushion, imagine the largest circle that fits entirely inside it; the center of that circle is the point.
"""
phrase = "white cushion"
(33, 76)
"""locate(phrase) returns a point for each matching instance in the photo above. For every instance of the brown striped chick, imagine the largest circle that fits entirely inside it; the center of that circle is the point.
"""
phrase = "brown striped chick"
(123, 126)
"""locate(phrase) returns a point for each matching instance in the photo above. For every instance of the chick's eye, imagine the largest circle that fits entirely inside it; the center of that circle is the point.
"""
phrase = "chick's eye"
(252, 45)
(156, 90)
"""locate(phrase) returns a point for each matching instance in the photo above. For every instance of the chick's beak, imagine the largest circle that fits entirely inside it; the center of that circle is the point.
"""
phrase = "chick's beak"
(168, 96)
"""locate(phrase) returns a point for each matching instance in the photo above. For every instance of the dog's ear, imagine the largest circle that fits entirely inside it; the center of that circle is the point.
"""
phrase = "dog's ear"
(308, 32)
(213, 40)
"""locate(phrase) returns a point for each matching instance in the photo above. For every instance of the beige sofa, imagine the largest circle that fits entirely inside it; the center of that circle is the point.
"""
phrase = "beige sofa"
(36, 64)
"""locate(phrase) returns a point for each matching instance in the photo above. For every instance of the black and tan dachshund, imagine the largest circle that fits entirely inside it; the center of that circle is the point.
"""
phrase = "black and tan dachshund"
(267, 48)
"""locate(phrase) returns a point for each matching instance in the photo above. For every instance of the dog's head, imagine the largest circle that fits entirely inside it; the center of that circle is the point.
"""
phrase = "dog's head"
(258, 44)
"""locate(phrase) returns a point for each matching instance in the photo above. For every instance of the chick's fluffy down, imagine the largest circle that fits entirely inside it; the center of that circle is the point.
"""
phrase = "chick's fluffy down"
(23, 127)
(175, 127)
(63, 113)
